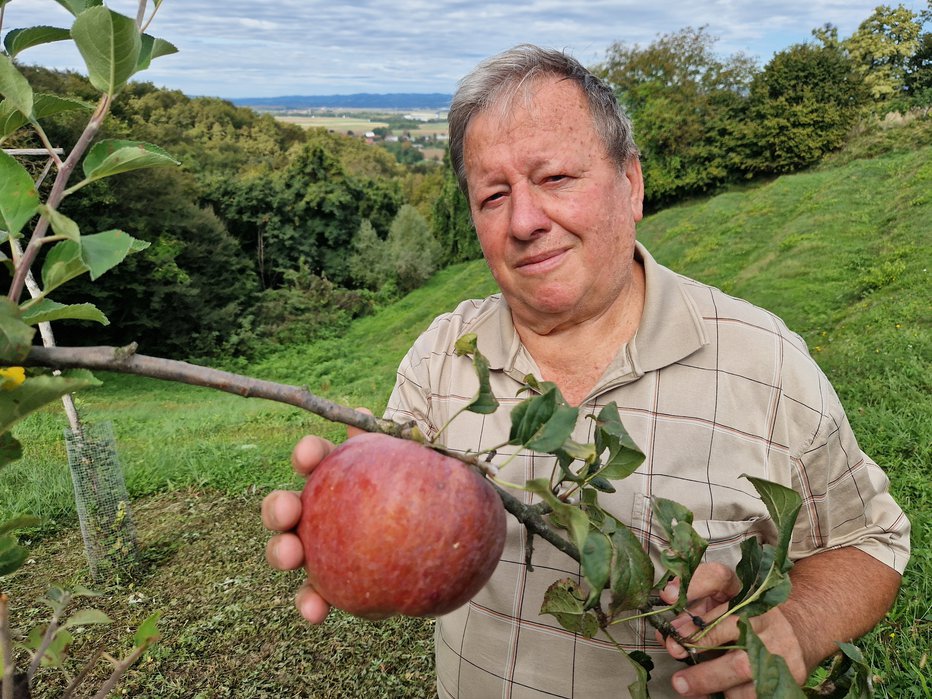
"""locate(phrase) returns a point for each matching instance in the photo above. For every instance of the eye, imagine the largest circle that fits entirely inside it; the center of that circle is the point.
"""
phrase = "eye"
(492, 198)
(556, 178)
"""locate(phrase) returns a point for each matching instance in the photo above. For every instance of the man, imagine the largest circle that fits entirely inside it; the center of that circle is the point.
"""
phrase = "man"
(709, 386)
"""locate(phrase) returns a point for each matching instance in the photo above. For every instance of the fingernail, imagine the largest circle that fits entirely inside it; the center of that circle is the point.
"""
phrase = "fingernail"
(680, 685)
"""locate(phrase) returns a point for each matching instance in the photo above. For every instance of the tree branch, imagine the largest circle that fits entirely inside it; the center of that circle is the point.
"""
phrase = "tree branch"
(125, 360)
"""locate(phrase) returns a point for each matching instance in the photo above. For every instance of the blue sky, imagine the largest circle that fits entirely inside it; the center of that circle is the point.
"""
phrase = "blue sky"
(268, 48)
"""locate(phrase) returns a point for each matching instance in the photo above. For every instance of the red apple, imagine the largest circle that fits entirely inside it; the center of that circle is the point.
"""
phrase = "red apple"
(392, 527)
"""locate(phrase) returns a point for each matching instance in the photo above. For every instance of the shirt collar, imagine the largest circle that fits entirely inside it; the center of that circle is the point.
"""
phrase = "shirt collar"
(671, 329)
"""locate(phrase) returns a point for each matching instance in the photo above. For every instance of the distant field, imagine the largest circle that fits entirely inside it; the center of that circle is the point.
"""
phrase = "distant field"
(331, 123)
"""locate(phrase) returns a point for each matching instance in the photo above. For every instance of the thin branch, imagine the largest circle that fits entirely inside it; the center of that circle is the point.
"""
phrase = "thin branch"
(56, 194)
(6, 645)
(85, 671)
(125, 360)
(120, 669)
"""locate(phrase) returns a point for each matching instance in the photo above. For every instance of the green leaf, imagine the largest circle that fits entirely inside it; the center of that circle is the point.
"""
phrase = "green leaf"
(783, 504)
(772, 677)
(561, 602)
(61, 224)
(19, 522)
(624, 456)
(15, 335)
(18, 40)
(596, 555)
(85, 617)
(564, 515)
(104, 251)
(19, 200)
(96, 253)
(14, 87)
(151, 49)
(57, 651)
(11, 119)
(147, 633)
(484, 402)
(10, 449)
(543, 423)
(62, 263)
(38, 391)
(12, 555)
(642, 664)
(669, 513)
(114, 156)
(685, 549)
(632, 571)
(46, 311)
(110, 44)
(76, 7)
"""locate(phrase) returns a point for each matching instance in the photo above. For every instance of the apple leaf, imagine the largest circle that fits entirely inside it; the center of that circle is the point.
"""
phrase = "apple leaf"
(19, 200)
(783, 504)
(38, 391)
(61, 224)
(76, 7)
(567, 516)
(15, 334)
(104, 251)
(151, 49)
(10, 449)
(11, 119)
(110, 44)
(543, 423)
(772, 677)
(642, 664)
(561, 602)
(19, 522)
(46, 311)
(148, 632)
(114, 156)
(596, 562)
(684, 551)
(14, 87)
(484, 402)
(62, 263)
(18, 40)
(12, 555)
(86, 617)
(632, 571)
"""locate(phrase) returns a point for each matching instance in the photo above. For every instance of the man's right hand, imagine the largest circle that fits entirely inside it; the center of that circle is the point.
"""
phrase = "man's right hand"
(281, 510)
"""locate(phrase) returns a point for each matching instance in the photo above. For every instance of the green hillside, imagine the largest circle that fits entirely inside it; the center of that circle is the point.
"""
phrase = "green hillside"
(841, 254)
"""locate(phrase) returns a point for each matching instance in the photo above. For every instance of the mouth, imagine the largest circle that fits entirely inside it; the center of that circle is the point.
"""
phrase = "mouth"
(541, 262)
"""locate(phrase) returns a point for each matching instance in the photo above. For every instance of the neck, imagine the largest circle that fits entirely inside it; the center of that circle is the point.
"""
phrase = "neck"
(574, 352)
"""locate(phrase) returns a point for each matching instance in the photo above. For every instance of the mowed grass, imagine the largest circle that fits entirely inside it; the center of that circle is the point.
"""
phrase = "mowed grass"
(841, 254)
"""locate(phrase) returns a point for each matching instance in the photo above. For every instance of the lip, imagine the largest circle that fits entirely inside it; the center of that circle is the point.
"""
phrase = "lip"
(541, 262)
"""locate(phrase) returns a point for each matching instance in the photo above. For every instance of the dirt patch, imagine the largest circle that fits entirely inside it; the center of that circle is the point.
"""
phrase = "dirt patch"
(229, 628)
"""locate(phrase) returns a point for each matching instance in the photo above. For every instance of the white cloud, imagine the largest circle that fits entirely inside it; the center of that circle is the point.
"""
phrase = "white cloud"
(238, 48)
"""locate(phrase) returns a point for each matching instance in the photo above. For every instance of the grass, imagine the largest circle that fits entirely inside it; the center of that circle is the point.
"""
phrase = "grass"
(840, 253)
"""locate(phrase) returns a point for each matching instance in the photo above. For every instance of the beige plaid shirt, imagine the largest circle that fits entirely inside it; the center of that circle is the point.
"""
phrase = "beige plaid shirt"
(710, 387)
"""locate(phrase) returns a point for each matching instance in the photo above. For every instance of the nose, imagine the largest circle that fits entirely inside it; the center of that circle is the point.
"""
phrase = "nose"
(528, 217)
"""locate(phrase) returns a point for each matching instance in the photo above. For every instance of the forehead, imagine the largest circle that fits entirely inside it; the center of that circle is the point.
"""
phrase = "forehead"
(549, 102)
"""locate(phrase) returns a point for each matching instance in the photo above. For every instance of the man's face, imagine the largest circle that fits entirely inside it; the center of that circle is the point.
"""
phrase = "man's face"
(554, 215)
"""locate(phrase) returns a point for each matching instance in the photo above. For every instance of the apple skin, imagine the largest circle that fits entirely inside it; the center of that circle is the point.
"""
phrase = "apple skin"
(392, 527)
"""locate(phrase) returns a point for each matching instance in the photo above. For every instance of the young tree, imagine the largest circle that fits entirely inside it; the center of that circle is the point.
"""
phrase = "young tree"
(413, 251)
(881, 49)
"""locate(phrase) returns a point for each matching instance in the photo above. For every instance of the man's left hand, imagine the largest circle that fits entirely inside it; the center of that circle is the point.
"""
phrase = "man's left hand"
(710, 589)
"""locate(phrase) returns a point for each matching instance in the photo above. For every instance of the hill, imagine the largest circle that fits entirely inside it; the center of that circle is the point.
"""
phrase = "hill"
(842, 254)
(361, 100)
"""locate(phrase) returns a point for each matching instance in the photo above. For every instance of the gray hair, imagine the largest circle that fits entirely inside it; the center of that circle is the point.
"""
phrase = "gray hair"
(499, 79)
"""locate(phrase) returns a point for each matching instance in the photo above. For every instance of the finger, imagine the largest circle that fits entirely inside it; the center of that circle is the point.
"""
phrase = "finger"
(713, 580)
(722, 674)
(309, 452)
(355, 431)
(281, 510)
(284, 552)
(312, 606)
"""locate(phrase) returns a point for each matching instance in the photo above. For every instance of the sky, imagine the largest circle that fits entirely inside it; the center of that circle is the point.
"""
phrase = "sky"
(270, 48)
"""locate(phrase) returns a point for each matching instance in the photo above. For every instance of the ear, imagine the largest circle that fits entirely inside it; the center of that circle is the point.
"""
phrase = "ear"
(636, 183)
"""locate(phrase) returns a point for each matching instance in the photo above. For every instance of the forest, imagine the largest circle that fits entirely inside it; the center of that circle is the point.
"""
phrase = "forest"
(297, 232)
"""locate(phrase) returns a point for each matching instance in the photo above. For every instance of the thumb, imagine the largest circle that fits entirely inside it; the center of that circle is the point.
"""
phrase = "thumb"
(355, 431)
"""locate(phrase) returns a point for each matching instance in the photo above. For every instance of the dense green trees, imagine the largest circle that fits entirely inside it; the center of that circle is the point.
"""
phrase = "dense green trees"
(702, 120)
(269, 232)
